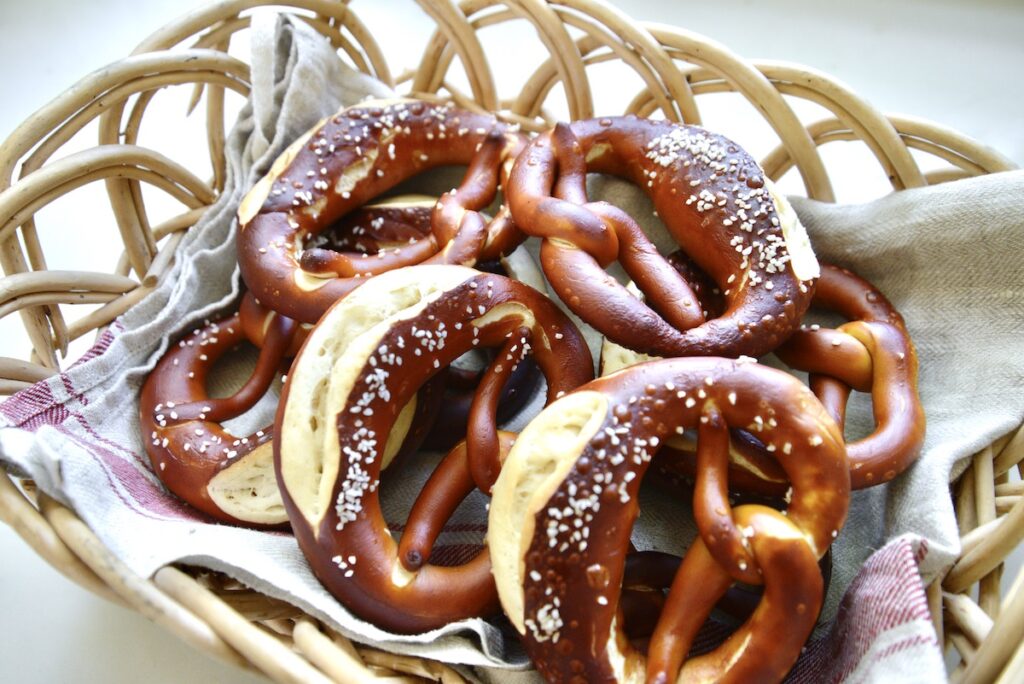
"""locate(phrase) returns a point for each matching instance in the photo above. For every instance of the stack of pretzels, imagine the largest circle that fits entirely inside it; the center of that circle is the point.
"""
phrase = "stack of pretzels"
(396, 320)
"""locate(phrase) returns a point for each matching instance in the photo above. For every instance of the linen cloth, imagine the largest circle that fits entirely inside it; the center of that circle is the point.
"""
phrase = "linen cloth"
(949, 258)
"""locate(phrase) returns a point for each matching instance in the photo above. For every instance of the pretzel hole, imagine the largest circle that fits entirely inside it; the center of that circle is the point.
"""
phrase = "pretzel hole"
(663, 532)
(228, 375)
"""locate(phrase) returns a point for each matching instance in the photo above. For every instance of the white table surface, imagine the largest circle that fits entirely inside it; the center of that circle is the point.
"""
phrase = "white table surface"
(955, 62)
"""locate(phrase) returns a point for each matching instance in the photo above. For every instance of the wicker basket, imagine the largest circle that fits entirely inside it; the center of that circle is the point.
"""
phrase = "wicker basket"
(675, 66)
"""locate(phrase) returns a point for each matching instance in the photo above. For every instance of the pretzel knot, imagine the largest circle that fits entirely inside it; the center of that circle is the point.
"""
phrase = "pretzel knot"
(348, 160)
(342, 411)
(873, 353)
(716, 203)
(566, 499)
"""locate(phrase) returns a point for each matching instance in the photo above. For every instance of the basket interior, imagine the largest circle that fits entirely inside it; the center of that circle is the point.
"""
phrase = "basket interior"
(110, 149)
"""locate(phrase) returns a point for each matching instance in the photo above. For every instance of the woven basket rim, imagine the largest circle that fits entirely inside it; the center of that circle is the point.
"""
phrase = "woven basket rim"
(677, 68)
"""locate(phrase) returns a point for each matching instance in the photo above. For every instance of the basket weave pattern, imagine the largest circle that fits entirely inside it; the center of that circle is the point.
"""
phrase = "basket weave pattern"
(676, 68)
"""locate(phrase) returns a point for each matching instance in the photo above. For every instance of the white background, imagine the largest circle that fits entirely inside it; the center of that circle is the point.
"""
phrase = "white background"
(958, 63)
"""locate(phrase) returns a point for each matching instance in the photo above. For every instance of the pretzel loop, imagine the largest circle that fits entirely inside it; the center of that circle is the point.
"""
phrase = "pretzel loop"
(765, 647)
(227, 477)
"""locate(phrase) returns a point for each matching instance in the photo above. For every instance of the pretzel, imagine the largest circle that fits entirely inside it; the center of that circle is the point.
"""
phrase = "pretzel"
(227, 477)
(362, 362)
(715, 201)
(565, 501)
(647, 574)
(872, 353)
(346, 161)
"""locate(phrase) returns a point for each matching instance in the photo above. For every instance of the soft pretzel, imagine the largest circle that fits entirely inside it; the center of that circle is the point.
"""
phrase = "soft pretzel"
(348, 160)
(872, 353)
(566, 499)
(715, 201)
(359, 366)
(228, 477)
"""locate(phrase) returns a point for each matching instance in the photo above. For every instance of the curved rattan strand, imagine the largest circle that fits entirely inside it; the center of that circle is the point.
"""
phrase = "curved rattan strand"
(452, 22)
(18, 513)
(989, 506)
(1009, 453)
(174, 224)
(209, 17)
(426, 669)
(527, 105)
(562, 49)
(74, 124)
(340, 664)
(126, 195)
(868, 125)
(641, 39)
(50, 120)
(1004, 638)
(438, 55)
(23, 371)
(953, 150)
(749, 82)
(544, 79)
(142, 595)
(267, 653)
(436, 59)
(985, 512)
(52, 126)
(33, 192)
(989, 553)
(875, 129)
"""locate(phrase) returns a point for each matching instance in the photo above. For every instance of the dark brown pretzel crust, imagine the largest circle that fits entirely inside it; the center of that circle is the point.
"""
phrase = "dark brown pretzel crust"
(186, 444)
(351, 158)
(355, 556)
(714, 201)
(573, 572)
(873, 353)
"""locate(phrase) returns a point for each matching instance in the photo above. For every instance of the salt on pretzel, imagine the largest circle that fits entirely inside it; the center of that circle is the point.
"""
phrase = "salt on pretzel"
(463, 377)
(227, 477)
(872, 353)
(714, 200)
(362, 362)
(566, 499)
(751, 469)
(404, 219)
(377, 228)
(346, 161)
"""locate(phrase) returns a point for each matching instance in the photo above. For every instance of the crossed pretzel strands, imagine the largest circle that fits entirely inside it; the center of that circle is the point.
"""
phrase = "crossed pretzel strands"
(347, 161)
(872, 353)
(716, 203)
(566, 500)
(361, 364)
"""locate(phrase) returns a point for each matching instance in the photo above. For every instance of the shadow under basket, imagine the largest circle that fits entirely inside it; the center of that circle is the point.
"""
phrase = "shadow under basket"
(676, 69)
